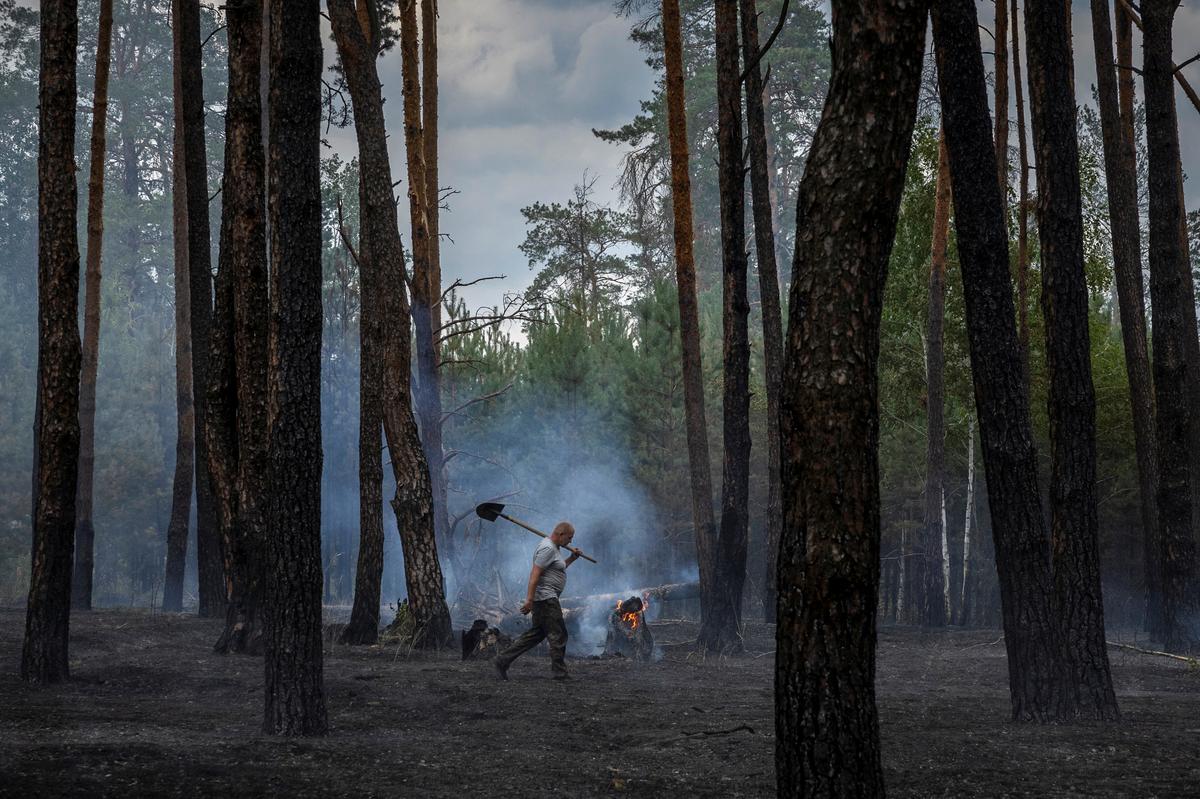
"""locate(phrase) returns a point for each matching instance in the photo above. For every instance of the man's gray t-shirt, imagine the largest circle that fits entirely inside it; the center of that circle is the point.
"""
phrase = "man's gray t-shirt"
(554, 571)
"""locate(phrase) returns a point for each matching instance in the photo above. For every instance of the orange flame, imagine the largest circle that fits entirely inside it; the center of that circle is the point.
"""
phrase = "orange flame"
(632, 619)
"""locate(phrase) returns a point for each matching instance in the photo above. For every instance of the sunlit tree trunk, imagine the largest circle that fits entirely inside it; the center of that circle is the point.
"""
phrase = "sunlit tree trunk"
(826, 722)
(56, 433)
(966, 592)
(699, 468)
(84, 529)
(1036, 676)
(185, 430)
(768, 282)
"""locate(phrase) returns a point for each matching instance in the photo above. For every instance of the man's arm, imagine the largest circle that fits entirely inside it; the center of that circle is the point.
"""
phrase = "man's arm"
(574, 557)
(534, 574)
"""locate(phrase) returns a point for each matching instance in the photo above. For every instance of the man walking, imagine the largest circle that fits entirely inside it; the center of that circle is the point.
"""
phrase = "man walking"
(547, 579)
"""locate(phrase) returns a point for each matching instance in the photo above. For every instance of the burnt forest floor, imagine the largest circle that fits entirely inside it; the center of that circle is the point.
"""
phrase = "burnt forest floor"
(150, 710)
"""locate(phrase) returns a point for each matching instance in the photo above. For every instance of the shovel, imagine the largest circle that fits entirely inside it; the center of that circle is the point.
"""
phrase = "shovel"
(490, 511)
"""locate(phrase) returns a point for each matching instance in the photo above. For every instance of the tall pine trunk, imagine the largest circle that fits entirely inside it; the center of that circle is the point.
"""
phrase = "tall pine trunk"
(295, 697)
(1120, 168)
(768, 283)
(56, 433)
(929, 565)
(423, 298)
(699, 468)
(1172, 302)
(208, 541)
(185, 430)
(85, 531)
(1001, 104)
(720, 630)
(238, 387)
(429, 124)
(412, 503)
(1074, 526)
(1036, 675)
(363, 627)
(826, 722)
(1022, 202)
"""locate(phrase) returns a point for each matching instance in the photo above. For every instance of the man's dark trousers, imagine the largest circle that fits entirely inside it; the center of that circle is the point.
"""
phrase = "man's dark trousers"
(547, 624)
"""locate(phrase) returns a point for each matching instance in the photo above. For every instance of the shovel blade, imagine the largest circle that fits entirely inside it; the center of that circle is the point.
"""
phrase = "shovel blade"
(489, 511)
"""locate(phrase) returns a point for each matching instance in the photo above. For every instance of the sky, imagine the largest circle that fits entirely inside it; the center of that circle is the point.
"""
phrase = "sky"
(523, 82)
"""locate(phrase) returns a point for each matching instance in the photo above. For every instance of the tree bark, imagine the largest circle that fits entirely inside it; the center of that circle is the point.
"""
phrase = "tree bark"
(295, 701)
(1172, 302)
(428, 405)
(238, 388)
(85, 531)
(185, 421)
(930, 604)
(1022, 207)
(1035, 671)
(1120, 167)
(720, 630)
(56, 435)
(699, 468)
(412, 503)
(208, 542)
(363, 627)
(1072, 401)
(826, 722)
(1001, 105)
(768, 282)
(429, 122)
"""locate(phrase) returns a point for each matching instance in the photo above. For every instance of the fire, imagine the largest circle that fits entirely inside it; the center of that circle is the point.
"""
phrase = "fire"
(633, 619)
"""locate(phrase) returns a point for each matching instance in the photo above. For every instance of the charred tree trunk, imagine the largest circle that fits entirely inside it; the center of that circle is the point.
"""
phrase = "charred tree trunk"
(238, 387)
(208, 541)
(1022, 206)
(434, 447)
(720, 630)
(1120, 167)
(700, 470)
(826, 722)
(1072, 403)
(185, 421)
(56, 434)
(1172, 301)
(1035, 673)
(428, 406)
(768, 283)
(363, 627)
(295, 698)
(412, 504)
(85, 531)
(930, 604)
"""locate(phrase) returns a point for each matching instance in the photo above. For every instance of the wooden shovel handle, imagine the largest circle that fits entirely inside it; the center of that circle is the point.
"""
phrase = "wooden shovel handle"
(536, 531)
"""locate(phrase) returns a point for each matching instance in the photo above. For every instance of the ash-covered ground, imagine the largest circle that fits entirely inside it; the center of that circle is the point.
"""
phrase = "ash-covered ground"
(150, 710)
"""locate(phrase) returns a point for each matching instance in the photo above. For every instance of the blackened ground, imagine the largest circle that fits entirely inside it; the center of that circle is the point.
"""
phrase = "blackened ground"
(151, 711)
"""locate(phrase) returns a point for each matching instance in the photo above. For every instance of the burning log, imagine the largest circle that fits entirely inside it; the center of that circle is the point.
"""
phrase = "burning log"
(628, 633)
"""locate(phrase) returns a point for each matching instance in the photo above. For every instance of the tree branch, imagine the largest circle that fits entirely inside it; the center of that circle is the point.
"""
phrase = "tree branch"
(475, 401)
(762, 51)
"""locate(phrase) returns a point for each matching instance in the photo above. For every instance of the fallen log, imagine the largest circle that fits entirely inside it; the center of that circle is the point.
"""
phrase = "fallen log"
(658, 593)
(1128, 648)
